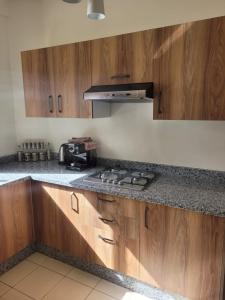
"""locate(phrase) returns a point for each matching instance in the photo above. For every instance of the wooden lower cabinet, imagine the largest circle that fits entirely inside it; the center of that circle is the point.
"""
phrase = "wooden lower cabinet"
(116, 234)
(172, 249)
(182, 252)
(97, 228)
(57, 219)
(16, 219)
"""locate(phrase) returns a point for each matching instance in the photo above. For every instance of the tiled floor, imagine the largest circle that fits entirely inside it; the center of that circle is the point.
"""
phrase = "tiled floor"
(41, 277)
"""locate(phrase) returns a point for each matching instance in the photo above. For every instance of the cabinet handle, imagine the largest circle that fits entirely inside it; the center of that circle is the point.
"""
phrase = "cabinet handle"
(120, 76)
(159, 103)
(60, 108)
(73, 195)
(50, 104)
(107, 201)
(107, 221)
(146, 217)
(108, 241)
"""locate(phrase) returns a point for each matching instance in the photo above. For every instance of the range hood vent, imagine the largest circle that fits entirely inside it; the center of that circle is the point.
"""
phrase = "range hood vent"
(126, 93)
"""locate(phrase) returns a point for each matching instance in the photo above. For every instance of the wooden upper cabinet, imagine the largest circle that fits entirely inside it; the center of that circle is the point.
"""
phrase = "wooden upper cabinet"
(55, 79)
(72, 76)
(182, 251)
(127, 58)
(38, 84)
(185, 62)
(190, 72)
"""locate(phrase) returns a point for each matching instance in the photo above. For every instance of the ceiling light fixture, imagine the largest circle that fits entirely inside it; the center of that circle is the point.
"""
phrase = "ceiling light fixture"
(95, 8)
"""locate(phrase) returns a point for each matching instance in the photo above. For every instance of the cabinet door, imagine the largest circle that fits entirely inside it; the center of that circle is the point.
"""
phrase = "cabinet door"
(125, 58)
(16, 219)
(58, 219)
(191, 73)
(45, 214)
(182, 252)
(38, 83)
(72, 76)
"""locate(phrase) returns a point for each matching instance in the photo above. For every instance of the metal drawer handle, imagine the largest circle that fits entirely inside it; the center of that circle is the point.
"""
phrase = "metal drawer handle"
(106, 221)
(120, 76)
(73, 195)
(60, 108)
(108, 241)
(50, 104)
(146, 217)
(107, 201)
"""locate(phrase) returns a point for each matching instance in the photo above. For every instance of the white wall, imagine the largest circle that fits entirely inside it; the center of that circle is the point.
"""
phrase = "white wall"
(130, 133)
(4, 8)
(7, 128)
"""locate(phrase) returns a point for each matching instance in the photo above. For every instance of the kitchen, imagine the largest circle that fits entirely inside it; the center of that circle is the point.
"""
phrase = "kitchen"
(146, 222)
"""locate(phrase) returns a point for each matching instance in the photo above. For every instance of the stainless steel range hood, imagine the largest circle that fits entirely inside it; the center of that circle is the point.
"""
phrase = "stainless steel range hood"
(126, 93)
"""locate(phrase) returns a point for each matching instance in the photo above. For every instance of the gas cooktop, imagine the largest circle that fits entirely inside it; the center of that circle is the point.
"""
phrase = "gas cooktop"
(123, 178)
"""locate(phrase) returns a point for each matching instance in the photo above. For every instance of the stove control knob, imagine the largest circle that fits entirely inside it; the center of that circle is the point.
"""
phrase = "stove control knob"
(115, 182)
(103, 180)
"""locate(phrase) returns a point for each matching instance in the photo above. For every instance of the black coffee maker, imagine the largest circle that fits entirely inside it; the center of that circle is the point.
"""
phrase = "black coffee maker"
(76, 157)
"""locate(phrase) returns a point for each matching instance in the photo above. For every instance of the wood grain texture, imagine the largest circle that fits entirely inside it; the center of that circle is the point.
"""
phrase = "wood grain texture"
(57, 225)
(129, 248)
(38, 84)
(56, 74)
(72, 76)
(78, 222)
(16, 219)
(169, 248)
(190, 72)
(183, 252)
(117, 219)
(128, 54)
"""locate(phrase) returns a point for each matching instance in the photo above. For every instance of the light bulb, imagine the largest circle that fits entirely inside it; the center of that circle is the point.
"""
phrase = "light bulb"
(95, 9)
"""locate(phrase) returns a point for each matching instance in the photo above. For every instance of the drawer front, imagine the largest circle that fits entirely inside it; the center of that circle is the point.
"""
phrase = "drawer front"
(105, 246)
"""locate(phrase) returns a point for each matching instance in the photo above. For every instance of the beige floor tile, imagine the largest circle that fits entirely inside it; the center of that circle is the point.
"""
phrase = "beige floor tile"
(56, 265)
(14, 295)
(38, 283)
(50, 263)
(95, 295)
(83, 277)
(37, 258)
(68, 289)
(112, 289)
(3, 288)
(19, 272)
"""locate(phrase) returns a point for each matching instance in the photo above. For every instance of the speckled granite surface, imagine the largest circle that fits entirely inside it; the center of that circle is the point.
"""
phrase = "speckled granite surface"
(17, 258)
(193, 189)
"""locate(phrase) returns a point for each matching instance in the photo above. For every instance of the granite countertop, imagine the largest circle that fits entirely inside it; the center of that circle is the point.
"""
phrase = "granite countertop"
(200, 193)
